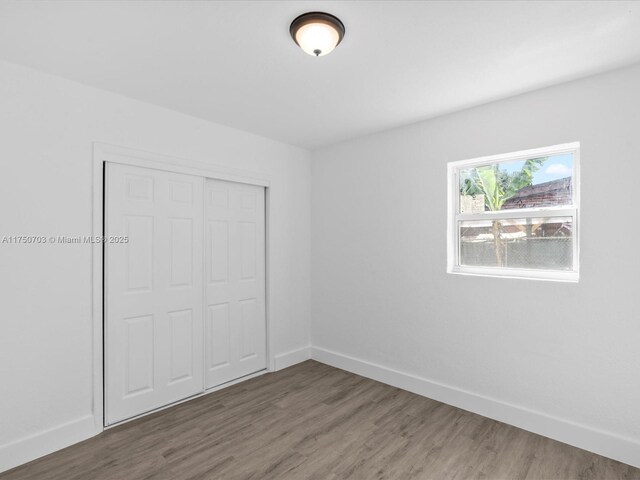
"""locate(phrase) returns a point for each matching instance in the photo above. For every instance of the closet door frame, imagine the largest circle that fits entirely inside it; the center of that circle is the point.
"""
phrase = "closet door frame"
(115, 154)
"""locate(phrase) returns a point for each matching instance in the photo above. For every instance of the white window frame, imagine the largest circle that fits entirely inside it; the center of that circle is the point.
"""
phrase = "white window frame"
(453, 217)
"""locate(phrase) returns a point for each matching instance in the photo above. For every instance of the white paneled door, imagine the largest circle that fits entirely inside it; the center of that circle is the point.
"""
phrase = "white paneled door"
(154, 321)
(235, 323)
(185, 296)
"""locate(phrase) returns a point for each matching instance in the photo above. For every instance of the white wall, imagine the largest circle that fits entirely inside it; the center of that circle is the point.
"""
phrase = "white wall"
(47, 127)
(564, 353)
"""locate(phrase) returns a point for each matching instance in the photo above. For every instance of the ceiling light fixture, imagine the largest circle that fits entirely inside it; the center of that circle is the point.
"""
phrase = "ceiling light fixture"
(317, 33)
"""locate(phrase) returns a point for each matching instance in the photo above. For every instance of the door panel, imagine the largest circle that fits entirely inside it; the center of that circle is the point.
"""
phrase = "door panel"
(139, 253)
(182, 345)
(181, 252)
(218, 235)
(235, 286)
(153, 318)
(218, 336)
(138, 354)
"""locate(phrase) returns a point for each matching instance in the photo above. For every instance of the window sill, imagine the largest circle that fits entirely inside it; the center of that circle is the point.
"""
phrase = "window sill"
(518, 273)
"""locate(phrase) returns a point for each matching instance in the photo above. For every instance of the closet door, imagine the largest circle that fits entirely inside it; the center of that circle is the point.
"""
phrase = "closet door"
(153, 318)
(235, 320)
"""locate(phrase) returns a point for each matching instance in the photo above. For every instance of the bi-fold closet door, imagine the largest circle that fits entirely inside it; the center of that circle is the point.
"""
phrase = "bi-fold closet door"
(185, 296)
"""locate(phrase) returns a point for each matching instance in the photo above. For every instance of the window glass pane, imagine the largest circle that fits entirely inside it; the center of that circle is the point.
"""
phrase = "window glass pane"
(535, 243)
(530, 183)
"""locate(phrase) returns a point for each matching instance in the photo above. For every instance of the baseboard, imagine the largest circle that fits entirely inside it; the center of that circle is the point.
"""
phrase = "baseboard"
(43, 443)
(604, 443)
(288, 359)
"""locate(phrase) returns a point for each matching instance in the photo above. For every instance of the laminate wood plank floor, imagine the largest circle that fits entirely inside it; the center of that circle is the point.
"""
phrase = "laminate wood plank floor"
(312, 421)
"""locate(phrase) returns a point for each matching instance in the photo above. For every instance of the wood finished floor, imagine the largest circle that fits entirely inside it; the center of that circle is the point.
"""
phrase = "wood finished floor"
(312, 421)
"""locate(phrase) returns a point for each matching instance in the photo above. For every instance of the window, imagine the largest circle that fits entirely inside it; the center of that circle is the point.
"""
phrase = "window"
(515, 215)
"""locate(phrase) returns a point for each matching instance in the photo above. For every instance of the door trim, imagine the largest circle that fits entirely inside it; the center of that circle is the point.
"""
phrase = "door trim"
(103, 152)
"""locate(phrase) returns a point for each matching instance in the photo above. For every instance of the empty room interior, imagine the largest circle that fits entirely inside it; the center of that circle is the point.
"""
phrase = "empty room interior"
(319, 240)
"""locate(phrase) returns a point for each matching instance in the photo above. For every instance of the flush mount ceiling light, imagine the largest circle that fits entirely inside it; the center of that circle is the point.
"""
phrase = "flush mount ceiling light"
(317, 33)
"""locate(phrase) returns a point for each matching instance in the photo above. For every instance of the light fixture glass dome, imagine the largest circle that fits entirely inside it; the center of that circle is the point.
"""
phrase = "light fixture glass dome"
(317, 33)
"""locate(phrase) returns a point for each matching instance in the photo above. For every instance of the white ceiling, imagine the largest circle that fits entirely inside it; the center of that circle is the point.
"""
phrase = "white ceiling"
(233, 62)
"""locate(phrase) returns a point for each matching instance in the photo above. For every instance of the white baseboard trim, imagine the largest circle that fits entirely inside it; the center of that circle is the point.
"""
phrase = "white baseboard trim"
(288, 359)
(43, 443)
(626, 450)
